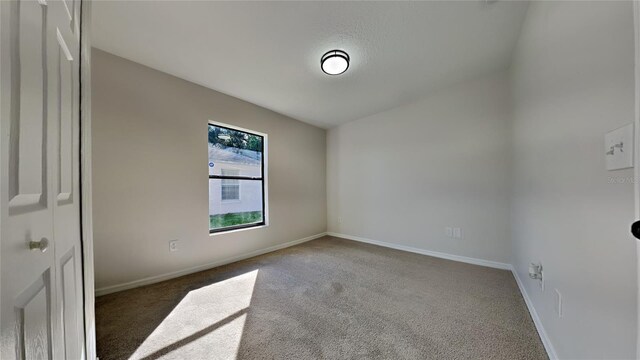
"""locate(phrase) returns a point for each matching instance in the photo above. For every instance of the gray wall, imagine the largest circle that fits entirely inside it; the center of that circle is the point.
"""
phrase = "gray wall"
(150, 174)
(573, 80)
(404, 175)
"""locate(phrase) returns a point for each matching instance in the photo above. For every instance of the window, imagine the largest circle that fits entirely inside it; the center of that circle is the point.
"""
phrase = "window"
(236, 179)
(230, 187)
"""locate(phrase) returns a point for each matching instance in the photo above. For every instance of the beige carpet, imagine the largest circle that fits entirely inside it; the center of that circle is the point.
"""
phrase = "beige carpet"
(326, 299)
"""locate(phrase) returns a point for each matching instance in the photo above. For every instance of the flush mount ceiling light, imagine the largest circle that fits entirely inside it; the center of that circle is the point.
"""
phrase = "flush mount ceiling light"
(334, 62)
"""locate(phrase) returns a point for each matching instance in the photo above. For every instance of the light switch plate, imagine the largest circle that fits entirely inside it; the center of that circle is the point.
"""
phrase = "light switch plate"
(618, 148)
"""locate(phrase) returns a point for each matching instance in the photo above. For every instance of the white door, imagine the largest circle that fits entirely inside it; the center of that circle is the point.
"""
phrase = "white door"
(41, 304)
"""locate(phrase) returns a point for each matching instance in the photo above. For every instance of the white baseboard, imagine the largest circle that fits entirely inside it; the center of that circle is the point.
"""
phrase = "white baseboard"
(464, 259)
(175, 274)
(548, 346)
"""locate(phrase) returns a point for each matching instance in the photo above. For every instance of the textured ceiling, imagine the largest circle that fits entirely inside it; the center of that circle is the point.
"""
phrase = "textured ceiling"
(268, 53)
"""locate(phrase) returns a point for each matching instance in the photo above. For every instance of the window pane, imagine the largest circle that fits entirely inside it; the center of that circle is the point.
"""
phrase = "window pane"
(234, 150)
(233, 204)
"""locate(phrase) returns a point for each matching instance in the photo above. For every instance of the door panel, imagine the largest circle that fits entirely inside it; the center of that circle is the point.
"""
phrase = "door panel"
(27, 158)
(41, 300)
(34, 313)
(69, 298)
(65, 114)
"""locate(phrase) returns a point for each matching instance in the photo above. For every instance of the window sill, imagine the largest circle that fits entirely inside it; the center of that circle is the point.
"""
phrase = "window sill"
(224, 232)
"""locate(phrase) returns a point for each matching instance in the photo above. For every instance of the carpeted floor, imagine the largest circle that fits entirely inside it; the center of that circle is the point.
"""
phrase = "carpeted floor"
(325, 299)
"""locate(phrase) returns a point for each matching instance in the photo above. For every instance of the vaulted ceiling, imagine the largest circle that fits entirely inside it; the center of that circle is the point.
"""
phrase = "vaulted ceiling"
(268, 53)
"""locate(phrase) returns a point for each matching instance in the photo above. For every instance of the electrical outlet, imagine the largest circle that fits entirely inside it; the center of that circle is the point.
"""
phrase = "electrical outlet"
(457, 233)
(173, 245)
(558, 306)
(339, 219)
(448, 231)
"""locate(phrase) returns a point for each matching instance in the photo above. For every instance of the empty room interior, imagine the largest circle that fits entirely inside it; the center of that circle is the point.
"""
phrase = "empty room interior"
(319, 180)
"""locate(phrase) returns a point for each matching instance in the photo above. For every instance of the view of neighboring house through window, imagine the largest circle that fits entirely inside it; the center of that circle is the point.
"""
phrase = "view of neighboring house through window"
(236, 183)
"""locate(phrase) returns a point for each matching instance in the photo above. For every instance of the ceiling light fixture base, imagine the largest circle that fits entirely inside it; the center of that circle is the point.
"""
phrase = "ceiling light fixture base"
(334, 62)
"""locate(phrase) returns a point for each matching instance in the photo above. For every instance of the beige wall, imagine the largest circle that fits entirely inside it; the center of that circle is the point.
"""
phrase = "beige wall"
(573, 80)
(402, 176)
(150, 173)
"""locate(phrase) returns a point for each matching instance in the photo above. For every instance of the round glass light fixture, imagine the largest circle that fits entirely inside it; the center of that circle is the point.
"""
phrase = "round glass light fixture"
(334, 62)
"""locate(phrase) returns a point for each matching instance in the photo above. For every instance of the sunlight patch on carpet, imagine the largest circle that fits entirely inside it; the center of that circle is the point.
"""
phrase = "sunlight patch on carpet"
(207, 323)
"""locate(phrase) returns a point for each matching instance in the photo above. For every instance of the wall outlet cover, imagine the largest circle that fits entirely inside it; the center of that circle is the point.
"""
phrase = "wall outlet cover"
(173, 245)
(457, 233)
(618, 148)
(448, 232)
(558, 306)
